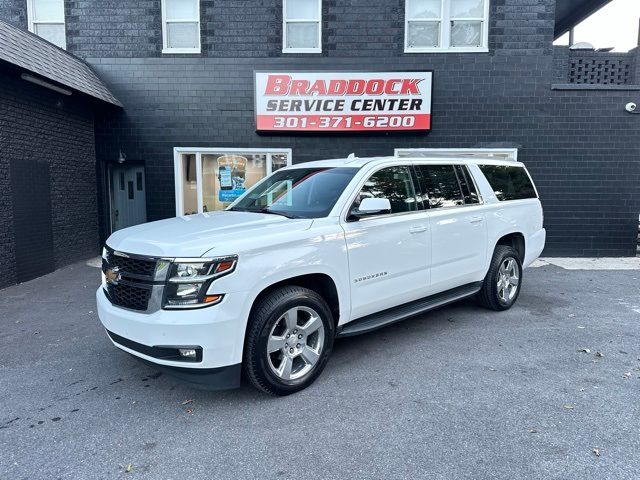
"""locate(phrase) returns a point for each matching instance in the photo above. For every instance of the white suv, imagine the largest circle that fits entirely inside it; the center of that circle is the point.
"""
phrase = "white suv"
(313, 252)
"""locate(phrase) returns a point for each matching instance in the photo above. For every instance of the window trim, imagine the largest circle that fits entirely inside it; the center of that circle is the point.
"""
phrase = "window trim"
(445, 32)
(317, 49)
(180, 50)
(198, 152)
(31, 22)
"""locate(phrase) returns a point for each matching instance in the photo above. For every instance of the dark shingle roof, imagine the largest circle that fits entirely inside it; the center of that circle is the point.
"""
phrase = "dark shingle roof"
(32, 53)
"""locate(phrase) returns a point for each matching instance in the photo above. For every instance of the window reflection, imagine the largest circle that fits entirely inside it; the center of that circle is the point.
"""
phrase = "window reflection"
(393, 183)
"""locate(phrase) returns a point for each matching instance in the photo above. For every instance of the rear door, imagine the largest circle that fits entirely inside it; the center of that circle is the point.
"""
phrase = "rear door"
(388, 253)
(458, 225)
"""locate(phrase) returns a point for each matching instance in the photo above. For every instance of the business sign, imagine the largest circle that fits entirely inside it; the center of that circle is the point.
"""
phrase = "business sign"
(343, 101)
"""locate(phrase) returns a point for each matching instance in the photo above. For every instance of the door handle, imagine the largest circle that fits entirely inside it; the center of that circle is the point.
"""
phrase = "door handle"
(476, 219)
(418, 229)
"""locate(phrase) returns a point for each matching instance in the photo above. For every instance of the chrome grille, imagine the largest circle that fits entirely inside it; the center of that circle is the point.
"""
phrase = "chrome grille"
(136, 279)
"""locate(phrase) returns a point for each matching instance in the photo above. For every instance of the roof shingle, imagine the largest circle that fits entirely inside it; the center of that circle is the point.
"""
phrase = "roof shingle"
(36, 55)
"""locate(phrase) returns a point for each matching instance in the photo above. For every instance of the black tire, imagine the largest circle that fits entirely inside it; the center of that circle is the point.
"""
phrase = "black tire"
(489, 296)
(266, 314)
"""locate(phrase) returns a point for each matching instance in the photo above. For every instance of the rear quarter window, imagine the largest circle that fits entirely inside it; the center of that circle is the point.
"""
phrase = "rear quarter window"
(509, 183)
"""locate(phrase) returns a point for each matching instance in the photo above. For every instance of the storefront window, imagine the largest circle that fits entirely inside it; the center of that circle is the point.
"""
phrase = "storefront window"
(211, 179)
(189, 184)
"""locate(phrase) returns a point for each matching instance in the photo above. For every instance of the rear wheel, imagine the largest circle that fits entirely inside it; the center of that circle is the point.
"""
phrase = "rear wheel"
(501, 286)
(289, 340)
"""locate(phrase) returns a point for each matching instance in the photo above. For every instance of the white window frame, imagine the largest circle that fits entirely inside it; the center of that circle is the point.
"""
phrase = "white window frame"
(32, 22)
(317, 49)
(445, 31)
(165, 48)
(499, 153)
(198, 152)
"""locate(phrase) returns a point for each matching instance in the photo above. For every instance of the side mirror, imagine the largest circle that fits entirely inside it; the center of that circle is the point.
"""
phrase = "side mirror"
(371, 206)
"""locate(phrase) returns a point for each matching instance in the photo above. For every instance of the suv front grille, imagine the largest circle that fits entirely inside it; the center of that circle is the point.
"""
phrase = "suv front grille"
(135, 277)
(133, 266)
(127, 295)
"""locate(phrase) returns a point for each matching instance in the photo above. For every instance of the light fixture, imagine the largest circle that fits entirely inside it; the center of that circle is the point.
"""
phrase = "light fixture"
(42, 83)
(121, 157)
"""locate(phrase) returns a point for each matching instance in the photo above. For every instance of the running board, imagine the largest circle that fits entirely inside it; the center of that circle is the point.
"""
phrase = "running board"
(406, 310)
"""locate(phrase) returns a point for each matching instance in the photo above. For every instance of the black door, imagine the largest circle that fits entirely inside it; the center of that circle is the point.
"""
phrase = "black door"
(30, 188)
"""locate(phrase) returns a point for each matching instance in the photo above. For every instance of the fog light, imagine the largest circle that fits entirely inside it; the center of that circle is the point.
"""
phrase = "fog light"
(187, 352)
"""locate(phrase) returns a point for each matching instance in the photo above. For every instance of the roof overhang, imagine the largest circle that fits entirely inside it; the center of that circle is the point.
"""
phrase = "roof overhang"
(569, 13)
(50, 66)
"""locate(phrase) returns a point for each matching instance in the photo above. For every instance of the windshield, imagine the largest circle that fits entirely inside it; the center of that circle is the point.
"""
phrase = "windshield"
(297, 193)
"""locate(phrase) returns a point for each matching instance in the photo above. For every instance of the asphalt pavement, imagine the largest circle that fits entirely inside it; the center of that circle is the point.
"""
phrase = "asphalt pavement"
(547, 390)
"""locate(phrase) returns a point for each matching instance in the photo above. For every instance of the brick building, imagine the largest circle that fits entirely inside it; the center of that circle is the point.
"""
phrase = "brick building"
(184, 71)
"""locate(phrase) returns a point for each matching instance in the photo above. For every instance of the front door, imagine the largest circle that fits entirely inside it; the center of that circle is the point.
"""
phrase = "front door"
(128, 199)
(388, 253)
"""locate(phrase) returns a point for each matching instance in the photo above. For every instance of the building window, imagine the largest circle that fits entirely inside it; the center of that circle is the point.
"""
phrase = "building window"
(46, 19)
(302, 31)
(210, 179)
(446, 26)
(180, 26)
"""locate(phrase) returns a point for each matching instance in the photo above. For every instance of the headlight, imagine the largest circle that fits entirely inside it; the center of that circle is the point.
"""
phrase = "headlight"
(189, 280)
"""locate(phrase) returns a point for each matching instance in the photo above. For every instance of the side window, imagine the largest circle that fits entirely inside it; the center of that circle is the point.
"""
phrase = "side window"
(393, 183)
(509, 183)
(302, 26)
(441, 184)
(466, 184)
(46, 19)
(180, 26)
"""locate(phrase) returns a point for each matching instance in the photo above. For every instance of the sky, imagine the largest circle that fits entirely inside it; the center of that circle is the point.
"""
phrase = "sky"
(615, 25)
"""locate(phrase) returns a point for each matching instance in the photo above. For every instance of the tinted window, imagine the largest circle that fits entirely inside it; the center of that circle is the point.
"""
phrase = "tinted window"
(466, 184)
(441, 185)
(509, 183)
(393, 183)
(300, 192)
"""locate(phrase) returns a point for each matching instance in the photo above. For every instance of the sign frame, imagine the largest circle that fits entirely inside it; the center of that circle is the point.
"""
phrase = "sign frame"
(291, 132)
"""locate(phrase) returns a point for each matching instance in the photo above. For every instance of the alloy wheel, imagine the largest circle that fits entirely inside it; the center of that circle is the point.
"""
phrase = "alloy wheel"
(508, 279)
(295, 343)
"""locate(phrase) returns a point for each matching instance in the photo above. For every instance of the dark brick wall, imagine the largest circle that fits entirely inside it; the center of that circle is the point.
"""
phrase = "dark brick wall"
(237, 28)
(14, 12)
(114, 28)
(39, 124)
(581, 146)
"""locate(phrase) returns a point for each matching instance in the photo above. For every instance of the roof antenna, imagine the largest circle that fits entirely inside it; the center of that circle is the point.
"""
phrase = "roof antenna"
(352, 156)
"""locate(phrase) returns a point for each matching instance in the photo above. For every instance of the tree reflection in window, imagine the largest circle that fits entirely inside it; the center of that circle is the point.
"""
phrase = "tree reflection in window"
(442, 185)
(393, 183)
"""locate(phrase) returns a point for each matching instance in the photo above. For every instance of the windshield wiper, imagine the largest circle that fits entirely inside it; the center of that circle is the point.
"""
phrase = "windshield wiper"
(262, 210)
(276, 212)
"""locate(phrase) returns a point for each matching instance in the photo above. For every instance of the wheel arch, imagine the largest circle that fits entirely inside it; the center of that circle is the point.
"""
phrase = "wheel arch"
(516, 241)
(321, 283)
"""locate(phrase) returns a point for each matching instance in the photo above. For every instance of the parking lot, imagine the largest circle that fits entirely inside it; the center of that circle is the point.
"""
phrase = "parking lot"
(548, 389)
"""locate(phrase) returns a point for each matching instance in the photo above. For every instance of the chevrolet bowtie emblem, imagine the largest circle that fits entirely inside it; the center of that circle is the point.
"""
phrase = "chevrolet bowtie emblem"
(112, 275)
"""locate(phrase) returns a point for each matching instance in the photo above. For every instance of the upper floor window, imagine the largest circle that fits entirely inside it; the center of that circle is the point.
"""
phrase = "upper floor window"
(46, 19)
(446, 25)
(180, 26)
(302, 21)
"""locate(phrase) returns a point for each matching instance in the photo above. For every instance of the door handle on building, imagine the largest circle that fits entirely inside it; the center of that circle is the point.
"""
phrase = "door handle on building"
(476, 219)
(418, 229)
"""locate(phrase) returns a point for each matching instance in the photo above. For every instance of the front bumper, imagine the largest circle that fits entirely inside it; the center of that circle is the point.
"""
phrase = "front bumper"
(218, 330)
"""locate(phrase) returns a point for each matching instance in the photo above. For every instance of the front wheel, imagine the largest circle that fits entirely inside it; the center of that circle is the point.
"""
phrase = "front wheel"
(501, 286)
(289, 340)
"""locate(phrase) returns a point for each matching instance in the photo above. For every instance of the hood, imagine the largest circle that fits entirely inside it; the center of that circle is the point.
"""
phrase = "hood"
(195, 235)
